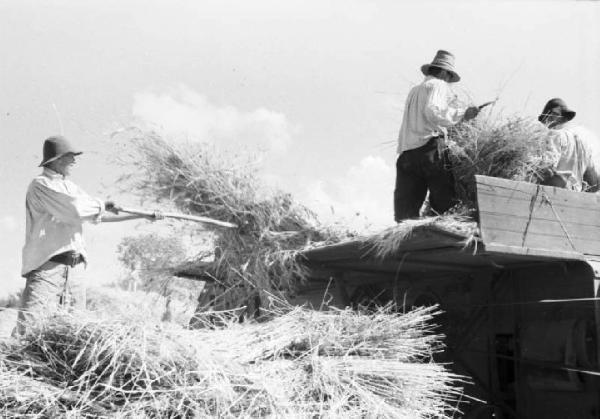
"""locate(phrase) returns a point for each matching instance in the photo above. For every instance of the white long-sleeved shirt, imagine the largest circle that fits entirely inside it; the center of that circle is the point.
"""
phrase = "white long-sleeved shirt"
(430, 108)
(55, 211)
(578, 150)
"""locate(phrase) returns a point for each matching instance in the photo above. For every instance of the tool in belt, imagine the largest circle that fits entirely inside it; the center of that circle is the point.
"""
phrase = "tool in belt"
(71, 259)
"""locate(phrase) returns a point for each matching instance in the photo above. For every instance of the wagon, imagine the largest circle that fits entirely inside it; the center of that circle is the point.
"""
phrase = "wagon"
(517, 290)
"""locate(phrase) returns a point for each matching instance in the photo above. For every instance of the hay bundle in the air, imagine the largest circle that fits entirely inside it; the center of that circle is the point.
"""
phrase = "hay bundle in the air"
(199, 179)
(302, 364)
(514, 148)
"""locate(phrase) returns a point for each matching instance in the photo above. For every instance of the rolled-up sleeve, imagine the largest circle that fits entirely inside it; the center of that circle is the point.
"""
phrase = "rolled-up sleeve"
(66, 207)
(438, 110)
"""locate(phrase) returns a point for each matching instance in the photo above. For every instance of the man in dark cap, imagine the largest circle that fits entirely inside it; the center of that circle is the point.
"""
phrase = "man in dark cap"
(430, 109)
(54, 255)
(577, 149)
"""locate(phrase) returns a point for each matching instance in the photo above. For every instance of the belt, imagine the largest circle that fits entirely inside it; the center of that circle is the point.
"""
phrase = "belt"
(431, 145)
(68, 258)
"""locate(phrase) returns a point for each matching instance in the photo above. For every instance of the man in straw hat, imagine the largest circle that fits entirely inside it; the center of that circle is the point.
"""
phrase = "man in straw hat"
(430, 109)
(54, 255)
(577, 149)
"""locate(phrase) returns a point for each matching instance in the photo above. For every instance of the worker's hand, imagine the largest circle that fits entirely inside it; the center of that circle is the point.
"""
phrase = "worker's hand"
(471, 113)
(111, 207)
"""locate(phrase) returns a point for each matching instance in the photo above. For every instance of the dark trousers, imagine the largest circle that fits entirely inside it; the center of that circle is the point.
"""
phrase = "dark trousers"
(417, 171)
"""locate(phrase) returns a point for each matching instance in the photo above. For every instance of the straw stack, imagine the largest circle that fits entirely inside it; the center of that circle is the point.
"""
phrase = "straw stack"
(301, 364)
(261, 255)
(513, 148)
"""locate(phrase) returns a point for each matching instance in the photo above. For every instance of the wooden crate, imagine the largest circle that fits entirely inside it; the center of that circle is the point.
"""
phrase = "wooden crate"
(528, 219)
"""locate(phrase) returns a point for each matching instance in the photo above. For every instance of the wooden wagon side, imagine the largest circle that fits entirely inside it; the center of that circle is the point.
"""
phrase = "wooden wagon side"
(519, 300)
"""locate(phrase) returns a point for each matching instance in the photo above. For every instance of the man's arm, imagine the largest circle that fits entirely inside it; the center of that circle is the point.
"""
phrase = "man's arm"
(590, 145)
(116, 217)
(438, 110)
(591, 178)
(65, 207)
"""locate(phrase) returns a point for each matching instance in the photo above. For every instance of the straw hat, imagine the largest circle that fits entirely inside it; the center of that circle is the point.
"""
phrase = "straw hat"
(556, 106)
(55, 147)
(445, 61)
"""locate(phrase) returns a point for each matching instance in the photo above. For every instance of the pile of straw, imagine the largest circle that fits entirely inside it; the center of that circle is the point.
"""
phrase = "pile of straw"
(388, 241)
(258, 256)
(515, 148)
(301, 364)
(112, 302)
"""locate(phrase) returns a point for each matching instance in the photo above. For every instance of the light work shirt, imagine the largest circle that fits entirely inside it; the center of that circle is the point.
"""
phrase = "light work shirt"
(55, 211)
(430, 108)
(578, 152)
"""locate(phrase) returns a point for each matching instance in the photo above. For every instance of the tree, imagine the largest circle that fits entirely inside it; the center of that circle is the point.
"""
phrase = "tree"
(149, 258)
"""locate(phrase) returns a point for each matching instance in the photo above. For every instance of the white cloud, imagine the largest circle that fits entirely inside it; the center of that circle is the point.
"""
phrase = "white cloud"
(185, 113)
(361, 197)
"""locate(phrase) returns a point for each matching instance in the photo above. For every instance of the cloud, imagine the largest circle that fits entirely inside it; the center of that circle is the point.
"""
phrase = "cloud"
(185, 113)
(361, 197)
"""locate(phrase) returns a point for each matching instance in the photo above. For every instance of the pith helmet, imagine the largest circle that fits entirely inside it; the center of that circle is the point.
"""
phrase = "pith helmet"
(56, 147)
(556, 106)
(445, 61)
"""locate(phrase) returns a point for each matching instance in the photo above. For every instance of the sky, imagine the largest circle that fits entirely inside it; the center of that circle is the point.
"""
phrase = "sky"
(316, 87)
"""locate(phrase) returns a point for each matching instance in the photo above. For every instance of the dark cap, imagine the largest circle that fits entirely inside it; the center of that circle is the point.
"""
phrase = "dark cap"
(558, 107)
(55, 147)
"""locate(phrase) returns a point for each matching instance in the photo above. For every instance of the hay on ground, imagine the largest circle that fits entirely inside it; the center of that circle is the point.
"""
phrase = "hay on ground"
(302, 364)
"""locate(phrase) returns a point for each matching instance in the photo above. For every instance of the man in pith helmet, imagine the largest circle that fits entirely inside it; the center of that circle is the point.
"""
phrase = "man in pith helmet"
(54, 255)
(577, 149)
(430, 109)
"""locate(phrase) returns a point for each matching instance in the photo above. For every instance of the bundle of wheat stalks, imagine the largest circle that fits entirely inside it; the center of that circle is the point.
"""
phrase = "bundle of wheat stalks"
(197, 178)
(301, 364)
(389, 241)
(513, 148)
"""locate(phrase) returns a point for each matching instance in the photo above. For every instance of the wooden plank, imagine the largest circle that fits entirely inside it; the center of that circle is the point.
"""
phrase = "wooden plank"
(585, 216)
(527, 219)
(554, 239)
(523, 190)
(528, 251)
(535, 226)
(406, 266)
(424, 238)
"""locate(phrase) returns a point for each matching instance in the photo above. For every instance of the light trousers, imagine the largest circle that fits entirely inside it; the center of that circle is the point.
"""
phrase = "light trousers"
(50, 288)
